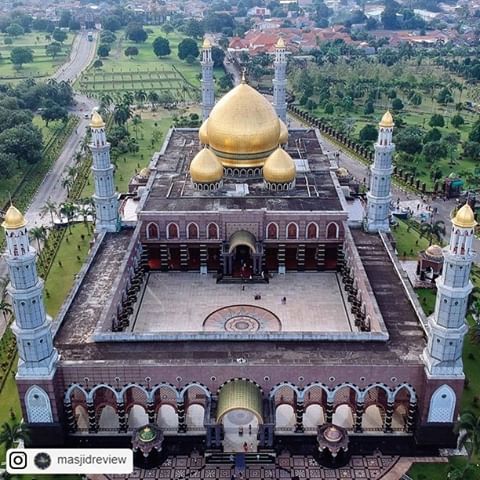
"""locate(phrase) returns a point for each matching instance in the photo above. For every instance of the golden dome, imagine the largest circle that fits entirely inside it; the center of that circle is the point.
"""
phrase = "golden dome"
(205, 167)
(387, 120)
(13, 218)
(243, 128)
(144, 172)
(97, 120)
(206, 43)
(203, 134)
(434, 251)
(283, 137)
(280, 43)
(279, 167)
(342, 172)
(465, 217)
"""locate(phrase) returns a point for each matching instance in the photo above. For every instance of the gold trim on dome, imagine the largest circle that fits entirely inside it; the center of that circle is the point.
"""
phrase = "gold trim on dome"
(205, 167)
(243, 122)
(279, 167)
(203, 133)
(240, 395)
(387, 120)
(280, 43)
(97, 120)
(13, 218)
(465, 218)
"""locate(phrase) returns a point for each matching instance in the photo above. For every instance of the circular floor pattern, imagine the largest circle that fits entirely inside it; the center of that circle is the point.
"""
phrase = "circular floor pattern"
(242, 319)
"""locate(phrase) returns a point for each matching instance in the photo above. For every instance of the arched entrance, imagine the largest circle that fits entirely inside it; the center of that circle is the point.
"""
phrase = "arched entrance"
(239, 410)
(242, 248)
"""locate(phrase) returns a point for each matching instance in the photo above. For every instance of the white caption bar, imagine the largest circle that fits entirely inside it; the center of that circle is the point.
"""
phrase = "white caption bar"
(79, 461)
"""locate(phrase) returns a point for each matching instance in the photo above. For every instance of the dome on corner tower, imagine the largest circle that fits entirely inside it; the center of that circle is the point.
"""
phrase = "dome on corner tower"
(279, 167)
(243, 128)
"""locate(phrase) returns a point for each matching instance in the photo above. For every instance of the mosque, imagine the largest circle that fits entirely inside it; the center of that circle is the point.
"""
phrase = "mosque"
(239, 301)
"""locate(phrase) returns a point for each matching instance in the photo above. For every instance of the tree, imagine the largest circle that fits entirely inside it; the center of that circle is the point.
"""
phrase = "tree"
(437, 120)
(65, 18)
(11, 434)
(50, 208)
(106, 36)
(444, 96)
(112, 23)
(469, 429)
(103, 50)
(194, 28)
(225, 82)
(474, 135)
(471, 150)
(74, 25)
(368, 133)
(368, 109)
(131, 52)
(24, 142)
(68, 210)
(397, 104)
(434, 150)
(409, 140)
(53, 111)
(187, 47)
(218, 55)
(21, 55)
(457, 121)
(121, 114)
(389, 15)
(97, 63)
(433, 135)
(152, 98)
(39, 234)
(7, 41)
(329, 108)
(53, 49)
(161, 47)
(436, 229)
(136, 33)
(167, 28)
(15, 30)
(59, 35)
(311, 105)
(5, 306)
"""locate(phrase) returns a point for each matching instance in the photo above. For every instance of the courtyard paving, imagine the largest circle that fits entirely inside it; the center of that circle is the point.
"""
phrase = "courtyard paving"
(315, 302)
(286, 467)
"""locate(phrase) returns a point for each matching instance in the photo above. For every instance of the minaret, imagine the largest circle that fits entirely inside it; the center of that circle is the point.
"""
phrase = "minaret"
(443, 354)
(280, 80)
(208, 91)
(105, 198)
(38, 357)
(378, 197)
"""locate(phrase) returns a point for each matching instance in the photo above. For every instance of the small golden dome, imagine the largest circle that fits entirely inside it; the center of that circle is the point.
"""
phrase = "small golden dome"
(13, 219)
(203, 133)
(243, 128)
(465, 217)
(283, 137)
(144, 172)
(279, 167)
(97, 120)
(387, 120)
(342, 172)
(206, 43)
(205, 167)
(280, 43)
(434, 251)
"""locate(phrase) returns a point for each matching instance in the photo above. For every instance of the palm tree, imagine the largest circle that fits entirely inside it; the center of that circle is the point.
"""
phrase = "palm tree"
(136, 121)
(127, 99)
(71, 172)
(153, 99)
(68, 210)
(106, 101)
(436, 229)
(140, 97)
(12, 433)
(67, 182)
(469, 429)
(5, 306)
(460, 472)
(121, 114)
(39, 234)
(50, 208)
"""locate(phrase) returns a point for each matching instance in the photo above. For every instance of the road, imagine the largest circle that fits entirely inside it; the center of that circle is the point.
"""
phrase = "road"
(82, 53)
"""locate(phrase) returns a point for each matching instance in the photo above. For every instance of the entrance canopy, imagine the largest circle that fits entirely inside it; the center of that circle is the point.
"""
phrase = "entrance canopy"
(240, 395)
(242, 237)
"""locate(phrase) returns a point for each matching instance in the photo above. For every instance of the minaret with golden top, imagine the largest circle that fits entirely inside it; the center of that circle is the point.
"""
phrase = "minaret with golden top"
(280, 80)
(105, 198)
(378, 196)
(208, 90)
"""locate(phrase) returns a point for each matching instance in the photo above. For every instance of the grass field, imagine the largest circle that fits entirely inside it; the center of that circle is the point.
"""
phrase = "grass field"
(42, 66)
(409, 242)
(144, 71)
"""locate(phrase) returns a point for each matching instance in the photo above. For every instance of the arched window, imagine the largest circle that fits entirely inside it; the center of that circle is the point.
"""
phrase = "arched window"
(442, 405)
(172, 230)
(332, 230)
(292, 231)
(192, 230)
(37, 404)
(272, 231)
(152, 230)
(312, 231)
(212, 231)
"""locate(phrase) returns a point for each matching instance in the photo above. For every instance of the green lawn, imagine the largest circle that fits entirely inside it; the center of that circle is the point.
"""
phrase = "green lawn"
(42, 65)
(71, 254)
(145, 71)
(409, 242)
